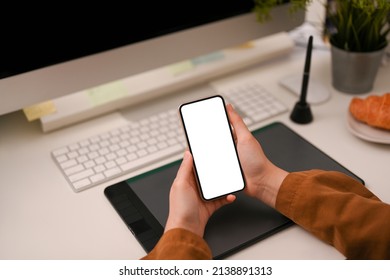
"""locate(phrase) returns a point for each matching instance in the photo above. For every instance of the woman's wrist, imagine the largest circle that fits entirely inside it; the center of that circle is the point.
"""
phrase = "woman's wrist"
(183, 224)
(268, 185)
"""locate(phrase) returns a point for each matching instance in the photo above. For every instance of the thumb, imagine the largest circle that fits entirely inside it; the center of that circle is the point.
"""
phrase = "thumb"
(186, 165)
(238, 124)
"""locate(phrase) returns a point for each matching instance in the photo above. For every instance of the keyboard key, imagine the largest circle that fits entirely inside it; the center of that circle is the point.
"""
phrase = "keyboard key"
(60, 151)
(81, 175)
(82, 183)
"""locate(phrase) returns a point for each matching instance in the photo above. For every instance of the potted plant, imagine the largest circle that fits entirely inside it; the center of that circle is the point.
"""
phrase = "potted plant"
(357, 31)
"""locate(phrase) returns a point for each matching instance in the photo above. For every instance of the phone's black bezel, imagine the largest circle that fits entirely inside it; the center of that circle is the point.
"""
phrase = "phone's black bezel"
(232, 139)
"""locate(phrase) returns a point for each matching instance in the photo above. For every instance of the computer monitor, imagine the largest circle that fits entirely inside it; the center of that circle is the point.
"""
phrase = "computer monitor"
(54, 51)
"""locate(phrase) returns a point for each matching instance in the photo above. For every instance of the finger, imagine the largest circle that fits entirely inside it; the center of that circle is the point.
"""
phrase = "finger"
(230, 198)
(185, 169)
(234, 133)
(230, 107)
(238, 124)
(224, 201)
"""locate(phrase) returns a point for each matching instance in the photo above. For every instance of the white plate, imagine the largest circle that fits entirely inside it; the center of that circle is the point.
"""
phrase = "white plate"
(367, 132)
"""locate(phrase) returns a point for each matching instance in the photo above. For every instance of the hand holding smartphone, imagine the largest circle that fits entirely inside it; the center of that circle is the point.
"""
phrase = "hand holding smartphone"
(211, 143)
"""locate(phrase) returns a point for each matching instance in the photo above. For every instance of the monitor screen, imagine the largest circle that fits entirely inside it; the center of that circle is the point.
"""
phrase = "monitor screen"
(52, 51)
(51, 38)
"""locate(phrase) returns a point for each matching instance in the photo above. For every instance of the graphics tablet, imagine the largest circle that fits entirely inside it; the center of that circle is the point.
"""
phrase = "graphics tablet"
(142, 202)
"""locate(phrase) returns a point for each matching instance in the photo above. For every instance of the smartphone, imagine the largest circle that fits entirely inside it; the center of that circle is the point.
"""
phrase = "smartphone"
(210, 140)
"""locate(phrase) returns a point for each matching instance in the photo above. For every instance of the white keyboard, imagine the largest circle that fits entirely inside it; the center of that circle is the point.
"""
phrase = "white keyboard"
(92, 161)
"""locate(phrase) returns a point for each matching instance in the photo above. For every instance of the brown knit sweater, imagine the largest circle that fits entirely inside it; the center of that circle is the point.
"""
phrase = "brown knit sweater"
(332, 206)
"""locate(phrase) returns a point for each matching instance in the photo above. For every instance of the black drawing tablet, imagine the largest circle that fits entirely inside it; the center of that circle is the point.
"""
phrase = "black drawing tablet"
(142, 201)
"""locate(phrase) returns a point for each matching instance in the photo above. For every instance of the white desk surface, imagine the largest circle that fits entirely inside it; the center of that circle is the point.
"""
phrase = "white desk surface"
(42, 218)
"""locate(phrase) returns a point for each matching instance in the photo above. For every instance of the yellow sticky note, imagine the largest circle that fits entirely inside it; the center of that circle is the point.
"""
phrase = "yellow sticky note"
(181, 67)
(37, 111)
(247, 45)
(107, 92)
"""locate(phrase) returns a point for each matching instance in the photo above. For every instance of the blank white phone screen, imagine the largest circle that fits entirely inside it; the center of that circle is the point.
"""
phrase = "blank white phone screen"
(212, 146)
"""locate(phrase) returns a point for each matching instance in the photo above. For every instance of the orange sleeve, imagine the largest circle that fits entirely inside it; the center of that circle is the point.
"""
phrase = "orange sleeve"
(339, 210)
(180, 244)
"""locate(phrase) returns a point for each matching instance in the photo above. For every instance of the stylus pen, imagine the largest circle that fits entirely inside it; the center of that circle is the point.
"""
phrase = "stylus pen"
(306, 71)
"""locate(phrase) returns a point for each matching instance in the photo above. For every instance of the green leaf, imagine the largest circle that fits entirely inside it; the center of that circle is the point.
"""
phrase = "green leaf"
(361, 25)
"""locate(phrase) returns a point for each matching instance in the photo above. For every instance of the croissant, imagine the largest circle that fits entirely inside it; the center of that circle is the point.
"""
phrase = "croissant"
(374, 110)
